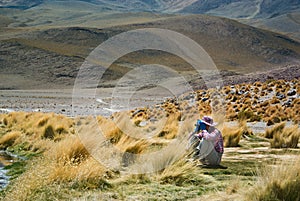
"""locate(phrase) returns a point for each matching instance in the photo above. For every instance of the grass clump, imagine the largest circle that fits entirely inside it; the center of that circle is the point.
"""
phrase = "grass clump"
(181, 173)
(283, 137)
(279, 182)
(49, 132)
(249, 115)
(9, 139)
(231, 136)
(288, 138)
(110, 129)
(278, 128)
(131, 149)
(43, 121)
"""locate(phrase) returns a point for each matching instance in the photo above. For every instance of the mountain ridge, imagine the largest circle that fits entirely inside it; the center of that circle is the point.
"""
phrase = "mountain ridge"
(54, 55)
(274, 15)
(256, 9)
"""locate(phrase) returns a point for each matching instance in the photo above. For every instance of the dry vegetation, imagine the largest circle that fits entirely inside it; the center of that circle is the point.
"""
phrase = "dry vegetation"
(59, 166)
(280, 182)
(233, 134)
(282, 136)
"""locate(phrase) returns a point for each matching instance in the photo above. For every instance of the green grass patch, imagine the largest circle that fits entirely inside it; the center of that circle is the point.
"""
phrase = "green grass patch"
(157, 191)
(16, 169)
(24, 150)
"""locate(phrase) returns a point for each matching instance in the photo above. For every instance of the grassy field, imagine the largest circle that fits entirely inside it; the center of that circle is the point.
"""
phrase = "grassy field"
(58, 162)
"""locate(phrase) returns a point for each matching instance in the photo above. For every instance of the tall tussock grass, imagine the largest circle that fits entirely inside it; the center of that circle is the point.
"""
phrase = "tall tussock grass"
(277, 182)
(66, 163)
(9, 139)
(130, 148)
(48, 132)
(36, 126)
(171, 127)
(289, 138)
(278, 128)
(283, 137)
(180, 173)
(109, 128)
(233, 134)
(69, 150)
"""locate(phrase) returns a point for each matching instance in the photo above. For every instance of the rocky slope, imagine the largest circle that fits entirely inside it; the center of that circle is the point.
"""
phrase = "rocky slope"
(237, 8)
(274, 15)
(52, 56)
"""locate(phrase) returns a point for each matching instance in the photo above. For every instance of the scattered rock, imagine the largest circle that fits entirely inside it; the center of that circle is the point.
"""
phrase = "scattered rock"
(152, 119)
(204, 99)
(241, 92)
(137, 111)
(280, 96)
(291, 93)
(143, 123)
(288, 103)
(233, 91)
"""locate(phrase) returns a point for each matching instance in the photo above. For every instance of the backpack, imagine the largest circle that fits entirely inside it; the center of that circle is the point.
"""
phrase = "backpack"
(199, 126)
(193, 140)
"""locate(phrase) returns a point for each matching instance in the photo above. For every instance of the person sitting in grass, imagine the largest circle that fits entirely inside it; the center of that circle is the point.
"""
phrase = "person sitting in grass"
(210, 146)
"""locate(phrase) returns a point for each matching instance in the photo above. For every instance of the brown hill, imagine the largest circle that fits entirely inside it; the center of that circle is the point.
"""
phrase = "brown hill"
(51, 57)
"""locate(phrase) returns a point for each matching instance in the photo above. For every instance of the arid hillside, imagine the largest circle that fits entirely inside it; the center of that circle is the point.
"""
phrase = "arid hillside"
(274, 15)
(50, 57)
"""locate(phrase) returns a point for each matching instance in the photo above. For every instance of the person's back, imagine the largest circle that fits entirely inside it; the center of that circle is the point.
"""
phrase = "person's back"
(211, 148)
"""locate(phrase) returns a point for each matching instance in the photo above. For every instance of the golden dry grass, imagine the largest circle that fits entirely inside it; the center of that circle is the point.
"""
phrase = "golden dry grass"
(231, 135)
(9, 139)
(277, 182)
(34, 124)
(170, 130)
(242, 102)
(181, 172)
(288, 138)
(278, 128)
(67, 162)
(283, 137)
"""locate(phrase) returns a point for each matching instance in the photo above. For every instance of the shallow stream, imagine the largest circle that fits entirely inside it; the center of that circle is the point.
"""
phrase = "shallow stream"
(6, 158)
